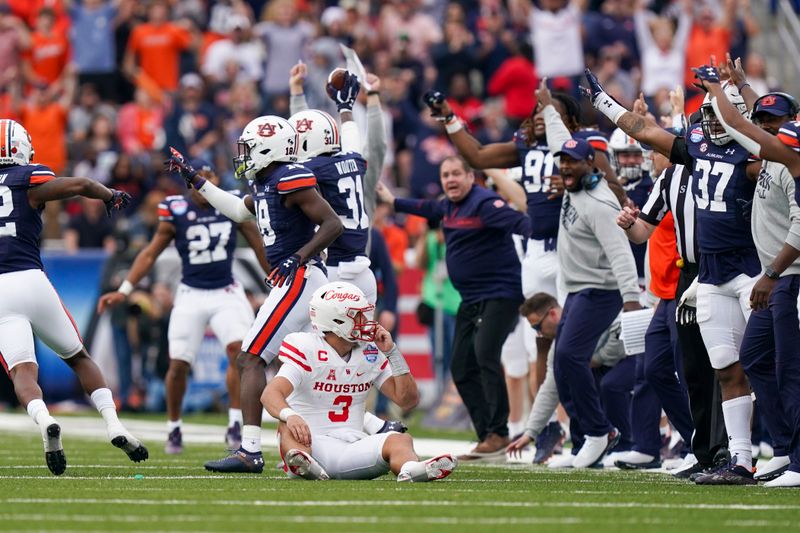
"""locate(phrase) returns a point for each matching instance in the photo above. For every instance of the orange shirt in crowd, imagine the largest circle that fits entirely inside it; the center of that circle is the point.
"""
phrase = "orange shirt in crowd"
(139, 127)
(663, 253)
(158, 49)
(47, 126)
(28, 10)
(48, 55)
(397, 242)
(7, 109)
(702, 45)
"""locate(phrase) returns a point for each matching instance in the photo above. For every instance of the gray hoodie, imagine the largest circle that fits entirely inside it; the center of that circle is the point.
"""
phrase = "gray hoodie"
(776, 216)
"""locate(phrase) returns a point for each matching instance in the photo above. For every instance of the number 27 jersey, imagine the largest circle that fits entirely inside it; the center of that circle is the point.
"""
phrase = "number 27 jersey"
(329, 392)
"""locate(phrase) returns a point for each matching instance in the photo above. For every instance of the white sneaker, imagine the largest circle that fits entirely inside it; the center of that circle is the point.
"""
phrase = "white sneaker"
(565, 460)
(594, 448)
(303, 465)
(688, 462)
(787, 479)
(766, 450)
(774, 468)
(631, 458)
(611, 458)
(437, 468)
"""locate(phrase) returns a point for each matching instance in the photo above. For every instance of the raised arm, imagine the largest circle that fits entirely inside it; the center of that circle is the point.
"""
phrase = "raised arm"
(643, 129)
(494, 155)
(345, 99)
(510, 190)
(297, 98)
(375, 151)
(756, 140)
(429, 209)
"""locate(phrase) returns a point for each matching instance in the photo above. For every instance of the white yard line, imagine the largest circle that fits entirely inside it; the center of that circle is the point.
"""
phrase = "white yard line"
(404, 503)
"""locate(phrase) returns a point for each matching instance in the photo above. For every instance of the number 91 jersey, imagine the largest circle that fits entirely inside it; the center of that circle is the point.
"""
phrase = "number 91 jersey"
(205, 240)
(341, 181)
(329, 392)
(538, 165)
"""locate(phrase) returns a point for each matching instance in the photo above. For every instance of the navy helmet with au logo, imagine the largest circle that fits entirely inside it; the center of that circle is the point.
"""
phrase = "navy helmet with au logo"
(265, 140)
(318, 133)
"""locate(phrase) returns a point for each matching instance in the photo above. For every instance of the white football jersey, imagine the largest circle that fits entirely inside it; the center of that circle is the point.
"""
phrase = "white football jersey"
(329, 392)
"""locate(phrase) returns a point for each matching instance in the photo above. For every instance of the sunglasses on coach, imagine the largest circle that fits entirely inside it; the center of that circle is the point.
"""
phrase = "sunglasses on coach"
(538, 326)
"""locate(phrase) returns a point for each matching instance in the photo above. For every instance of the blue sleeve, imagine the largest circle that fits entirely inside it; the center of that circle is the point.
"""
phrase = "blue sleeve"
(495, 213)
(430, 209)
(381, 261)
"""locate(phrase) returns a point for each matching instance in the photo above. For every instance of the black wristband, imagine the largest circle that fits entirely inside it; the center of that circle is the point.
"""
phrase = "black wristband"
(632, 224)
(770, 273)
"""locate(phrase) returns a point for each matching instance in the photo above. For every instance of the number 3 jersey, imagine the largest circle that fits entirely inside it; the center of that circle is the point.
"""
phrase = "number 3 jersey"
(20, 224)
(538, 165)
(329, 392)
(341, 181)
(205, 240)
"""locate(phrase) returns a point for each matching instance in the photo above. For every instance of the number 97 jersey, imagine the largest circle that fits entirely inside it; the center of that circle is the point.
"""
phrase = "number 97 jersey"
(329, 392)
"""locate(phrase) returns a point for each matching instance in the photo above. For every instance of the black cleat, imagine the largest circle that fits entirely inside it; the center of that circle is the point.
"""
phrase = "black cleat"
(729, 474)
(135, 449)
(240, 462)
(54, 451)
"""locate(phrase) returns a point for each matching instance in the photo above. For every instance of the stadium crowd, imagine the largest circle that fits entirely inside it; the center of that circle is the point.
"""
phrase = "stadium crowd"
(458, 90)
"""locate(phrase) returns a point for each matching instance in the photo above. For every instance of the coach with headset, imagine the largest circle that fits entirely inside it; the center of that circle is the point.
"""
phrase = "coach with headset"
(599, 275)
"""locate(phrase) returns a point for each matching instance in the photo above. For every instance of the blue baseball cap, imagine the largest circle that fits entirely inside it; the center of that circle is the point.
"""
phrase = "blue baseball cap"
(201, 164)
(577, 149)
(776, 104)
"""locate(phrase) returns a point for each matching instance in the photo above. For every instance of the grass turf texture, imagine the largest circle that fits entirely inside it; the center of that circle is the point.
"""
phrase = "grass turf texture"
(102, 491)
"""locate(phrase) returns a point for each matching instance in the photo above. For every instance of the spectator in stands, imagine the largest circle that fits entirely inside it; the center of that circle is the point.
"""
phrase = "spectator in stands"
(483, 265)
(91, 228)
(140, 123)
(555, 27)
(93, 43)
(99, 152)
(191, 125)
(83, 112)
(756, 70)
(710, 34)
(662, 48)
(612, 27)
(515, 80)
(49, 53)
(154, 48)
(14, 40)
(439, 302)
(45, 117)
(238, 52)
(745, 28)
(455, 55)
(403, 23)
(285, 36)
(395, 238)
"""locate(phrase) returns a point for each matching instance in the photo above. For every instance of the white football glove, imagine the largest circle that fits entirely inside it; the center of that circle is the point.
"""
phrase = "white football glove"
(686, 312)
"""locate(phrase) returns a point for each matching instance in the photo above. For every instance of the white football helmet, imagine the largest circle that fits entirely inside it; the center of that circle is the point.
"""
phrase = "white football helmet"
(264, 140)
(337, 306)
(621, 142)
(317, 132)
(712, 129)
(15, 144)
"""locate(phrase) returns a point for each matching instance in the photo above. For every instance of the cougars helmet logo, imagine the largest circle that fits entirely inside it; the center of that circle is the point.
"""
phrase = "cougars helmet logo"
(303, 125)
(266, 129)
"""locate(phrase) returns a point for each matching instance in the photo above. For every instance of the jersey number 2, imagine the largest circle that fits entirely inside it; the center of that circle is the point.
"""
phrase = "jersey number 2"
(344, 402)
(7, 229)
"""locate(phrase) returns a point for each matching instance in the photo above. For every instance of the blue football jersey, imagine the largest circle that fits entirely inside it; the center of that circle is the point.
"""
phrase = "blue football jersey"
(537, 167)
(719, 179)
(285, 230)
(341, 181)
(205, 239)
(20, 224)
(638, 192)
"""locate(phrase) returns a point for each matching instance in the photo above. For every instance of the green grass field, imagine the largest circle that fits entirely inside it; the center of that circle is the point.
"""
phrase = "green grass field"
(99, 493)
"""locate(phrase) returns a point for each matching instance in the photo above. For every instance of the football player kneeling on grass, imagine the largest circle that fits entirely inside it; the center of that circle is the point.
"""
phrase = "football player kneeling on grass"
(320, 393)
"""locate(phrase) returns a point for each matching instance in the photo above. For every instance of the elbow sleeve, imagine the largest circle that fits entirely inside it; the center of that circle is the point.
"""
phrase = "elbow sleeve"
(229, 205)
(351, 137)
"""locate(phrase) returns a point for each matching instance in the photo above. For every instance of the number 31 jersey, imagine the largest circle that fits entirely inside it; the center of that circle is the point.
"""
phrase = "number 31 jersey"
(205, 240)
(341, 181)
(329, 392)
(20, 224)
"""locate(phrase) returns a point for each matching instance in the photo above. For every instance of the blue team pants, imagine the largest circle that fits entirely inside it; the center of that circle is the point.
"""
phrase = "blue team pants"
(587, 314)
(770, 356)
(659, 384)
